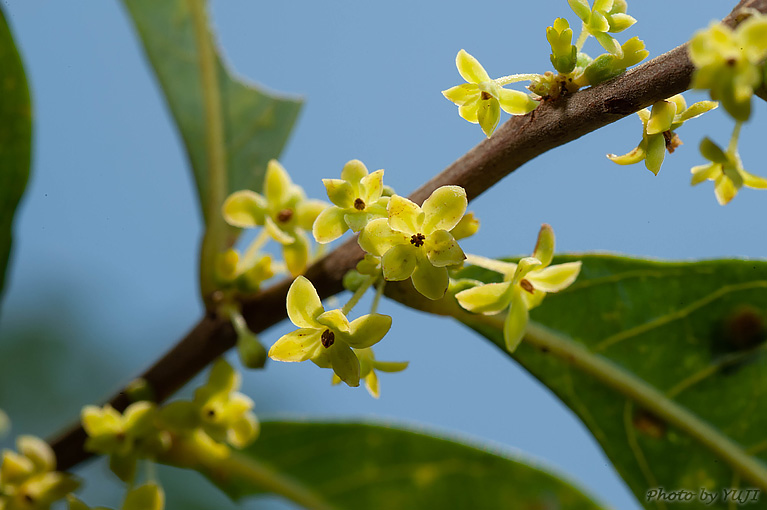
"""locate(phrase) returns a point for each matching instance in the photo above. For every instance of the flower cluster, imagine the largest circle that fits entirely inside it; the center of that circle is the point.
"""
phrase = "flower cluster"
(29, 480)
(729, 63)
(217, 416)
(658, 131)
(524, 287)
(481, 99)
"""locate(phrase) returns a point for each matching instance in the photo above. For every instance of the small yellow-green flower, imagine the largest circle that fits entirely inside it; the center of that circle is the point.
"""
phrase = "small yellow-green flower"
(481, 99)
(29, 480)
(217, 410)
(283, 211)
(658, 131)
(416, 242)
(726, 170)
(605, 16)
(112, 433)
(524, 287)
(727, 62)
(368, 366)
(356, 198)
(326, 338)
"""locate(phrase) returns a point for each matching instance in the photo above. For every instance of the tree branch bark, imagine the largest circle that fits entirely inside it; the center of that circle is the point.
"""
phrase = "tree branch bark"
(516, 142)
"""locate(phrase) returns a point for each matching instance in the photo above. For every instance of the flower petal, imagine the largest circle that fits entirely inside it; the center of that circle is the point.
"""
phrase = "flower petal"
(390, 366)
(488, 115)
(353, 172)
(340, 192)
(296, 254)
(444, 208)
(357, 220)
(299, 345)
(753, 181)
(555, 278)
(371, 187)
(277, 184)
(307, 211)
(525, 265)
(470, 68)
(656, 152)
(303, 303)
(399, 262)
(469, 111)
(368, 330)
(405, 215)
(277, 233)
(467, 227)
(329, 225)
(345, 364)
(430, 281)
(488, 299)
(703, 172)
(461, 94)
(516, 102)
(724, 189)
(635, 156)
(661, 117)
(443, 250)
(516, 322)
(371, 384)
(544, 246)
(378, 237)
(244, 209)
(243, 431)
(334, 319)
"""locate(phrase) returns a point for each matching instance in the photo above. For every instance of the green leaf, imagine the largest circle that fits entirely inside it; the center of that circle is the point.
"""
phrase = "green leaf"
(665, 363)
(15, 138)
(358, 465)
(256, 124)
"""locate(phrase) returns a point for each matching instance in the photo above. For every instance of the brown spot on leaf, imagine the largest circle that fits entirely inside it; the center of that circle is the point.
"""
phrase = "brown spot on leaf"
(649, 424)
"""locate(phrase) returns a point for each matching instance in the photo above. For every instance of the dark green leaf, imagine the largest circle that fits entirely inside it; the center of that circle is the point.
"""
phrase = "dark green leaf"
(354, 466)
(693, 332)
(256, 124)
(15, 138)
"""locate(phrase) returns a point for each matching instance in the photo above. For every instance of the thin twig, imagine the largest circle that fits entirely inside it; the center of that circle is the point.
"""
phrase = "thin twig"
(519, 140)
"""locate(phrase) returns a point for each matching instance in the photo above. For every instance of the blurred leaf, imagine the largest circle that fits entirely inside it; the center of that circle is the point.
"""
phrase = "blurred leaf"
(357, 465)
(15, 138)
(695, 332)
(256, 124)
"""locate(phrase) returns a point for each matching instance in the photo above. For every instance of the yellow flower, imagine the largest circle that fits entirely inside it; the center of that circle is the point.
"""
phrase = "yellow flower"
(481, 99)
(416, 242)
(524, 287)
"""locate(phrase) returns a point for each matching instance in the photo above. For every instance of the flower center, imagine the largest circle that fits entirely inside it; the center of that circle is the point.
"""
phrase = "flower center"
(672, 141)
(327, 338)
(284, 215)
(417, 240)
(359, 204)
(525, 284)
(485, 95)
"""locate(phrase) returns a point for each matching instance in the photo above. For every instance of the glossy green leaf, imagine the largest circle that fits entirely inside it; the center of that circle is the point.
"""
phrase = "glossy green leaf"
(256, 124)
(15, 138)
(686, 338)
(357, 465)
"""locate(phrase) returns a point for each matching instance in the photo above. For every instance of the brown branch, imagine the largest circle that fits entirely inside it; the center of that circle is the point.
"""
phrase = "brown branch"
(518, 141)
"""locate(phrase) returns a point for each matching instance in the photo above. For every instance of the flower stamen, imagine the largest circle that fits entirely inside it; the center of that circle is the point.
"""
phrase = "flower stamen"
(417, 240)
(359, 204)
(327, 338)
(525, 284)
(284, 215)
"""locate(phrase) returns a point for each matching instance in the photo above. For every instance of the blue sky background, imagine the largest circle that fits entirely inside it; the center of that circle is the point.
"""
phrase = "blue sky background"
(107, 234)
